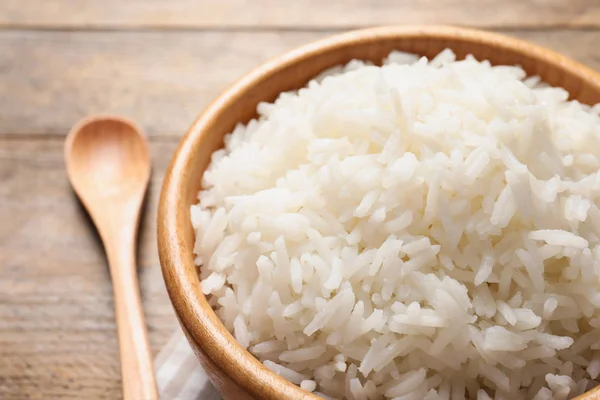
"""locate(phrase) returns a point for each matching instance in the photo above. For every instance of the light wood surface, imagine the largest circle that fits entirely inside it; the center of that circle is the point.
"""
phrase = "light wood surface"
(235, 372)
(57, 325)
(158, 62)
(109, 168)
(226, 14)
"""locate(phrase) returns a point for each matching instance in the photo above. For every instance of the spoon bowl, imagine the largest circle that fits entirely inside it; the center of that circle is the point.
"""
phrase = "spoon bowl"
(107, 157)
(109, 167)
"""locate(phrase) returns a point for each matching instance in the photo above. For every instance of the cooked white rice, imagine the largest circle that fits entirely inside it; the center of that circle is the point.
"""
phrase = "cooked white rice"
(424, 229)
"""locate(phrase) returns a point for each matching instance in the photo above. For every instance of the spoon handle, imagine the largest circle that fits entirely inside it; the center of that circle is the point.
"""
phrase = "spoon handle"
(137, 370)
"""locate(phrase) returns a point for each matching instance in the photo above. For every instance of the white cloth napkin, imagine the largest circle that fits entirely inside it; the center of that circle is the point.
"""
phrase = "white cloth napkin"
(179, 375)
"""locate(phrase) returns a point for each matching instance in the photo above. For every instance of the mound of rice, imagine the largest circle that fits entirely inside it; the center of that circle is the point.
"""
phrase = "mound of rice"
(428, 229)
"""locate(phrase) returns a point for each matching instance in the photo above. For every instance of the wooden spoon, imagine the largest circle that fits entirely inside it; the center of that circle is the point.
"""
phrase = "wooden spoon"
(109, 167)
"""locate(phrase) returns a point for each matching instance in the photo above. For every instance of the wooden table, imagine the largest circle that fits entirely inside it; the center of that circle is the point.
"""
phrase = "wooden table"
(158, 62)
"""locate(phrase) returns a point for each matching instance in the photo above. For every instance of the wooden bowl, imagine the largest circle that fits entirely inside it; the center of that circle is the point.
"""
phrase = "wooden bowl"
(234, 371)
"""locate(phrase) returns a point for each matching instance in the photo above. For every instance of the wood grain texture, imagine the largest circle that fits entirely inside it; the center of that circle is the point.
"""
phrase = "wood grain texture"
(58, 338)
(235, 372)
(108, 165)
(293, 14)
(160, 79)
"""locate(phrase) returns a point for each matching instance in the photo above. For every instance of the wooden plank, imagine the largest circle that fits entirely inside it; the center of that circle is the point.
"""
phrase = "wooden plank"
(297, 13)
(57, 329)
(163, 80)
(48, 80)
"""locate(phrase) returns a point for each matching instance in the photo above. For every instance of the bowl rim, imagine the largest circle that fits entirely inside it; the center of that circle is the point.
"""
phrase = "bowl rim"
(198, 320)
